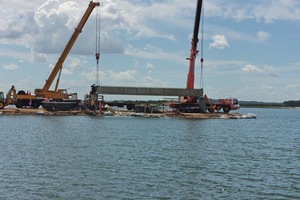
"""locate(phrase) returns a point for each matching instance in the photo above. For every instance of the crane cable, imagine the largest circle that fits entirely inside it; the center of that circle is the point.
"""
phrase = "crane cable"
(97, 44)
(202, 60)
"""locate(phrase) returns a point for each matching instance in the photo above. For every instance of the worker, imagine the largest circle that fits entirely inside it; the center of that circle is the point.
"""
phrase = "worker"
(171, 104)
(100, 105)
(82, 106)
(93, 105)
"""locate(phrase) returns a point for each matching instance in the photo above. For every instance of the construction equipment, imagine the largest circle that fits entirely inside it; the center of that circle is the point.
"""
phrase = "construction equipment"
(45, 95)
(227, 104)
(2, 101)
(192, 103)
(200, 103)
(9, 99)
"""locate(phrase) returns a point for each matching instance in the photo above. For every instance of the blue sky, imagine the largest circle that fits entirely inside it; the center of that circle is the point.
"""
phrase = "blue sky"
(251, 48)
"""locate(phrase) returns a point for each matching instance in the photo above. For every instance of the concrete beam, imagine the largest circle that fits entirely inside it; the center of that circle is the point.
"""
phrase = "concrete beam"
(148, 91)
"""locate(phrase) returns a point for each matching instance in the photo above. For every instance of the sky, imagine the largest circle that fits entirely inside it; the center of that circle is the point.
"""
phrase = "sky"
(251, 49)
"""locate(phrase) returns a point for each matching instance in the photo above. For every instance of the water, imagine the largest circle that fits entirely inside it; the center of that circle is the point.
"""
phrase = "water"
(83, 157)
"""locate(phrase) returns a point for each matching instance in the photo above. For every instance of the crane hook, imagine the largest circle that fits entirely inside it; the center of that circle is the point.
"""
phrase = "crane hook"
(97, 56)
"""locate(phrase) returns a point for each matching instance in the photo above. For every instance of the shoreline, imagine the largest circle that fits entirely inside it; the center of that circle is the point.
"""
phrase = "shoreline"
(112, 112)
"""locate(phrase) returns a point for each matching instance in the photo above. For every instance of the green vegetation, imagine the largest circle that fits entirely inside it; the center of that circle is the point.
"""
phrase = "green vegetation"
(292, 103)
(254, 104)
(289, 103)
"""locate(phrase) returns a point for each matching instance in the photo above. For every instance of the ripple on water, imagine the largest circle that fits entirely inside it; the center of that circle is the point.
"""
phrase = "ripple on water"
(80, 157)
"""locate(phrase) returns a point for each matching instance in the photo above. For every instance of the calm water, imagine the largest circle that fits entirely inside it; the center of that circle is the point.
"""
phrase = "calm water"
(83, 157)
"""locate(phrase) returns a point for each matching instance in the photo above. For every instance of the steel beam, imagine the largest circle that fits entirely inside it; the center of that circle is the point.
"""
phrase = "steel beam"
(148, 91)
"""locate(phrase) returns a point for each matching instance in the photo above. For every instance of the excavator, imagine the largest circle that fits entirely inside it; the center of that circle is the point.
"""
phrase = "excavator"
(9, 99)
(49, 98)
(200, 103)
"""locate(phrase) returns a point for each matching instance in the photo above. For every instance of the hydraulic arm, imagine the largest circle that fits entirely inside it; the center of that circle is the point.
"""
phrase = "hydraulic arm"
(56, 94)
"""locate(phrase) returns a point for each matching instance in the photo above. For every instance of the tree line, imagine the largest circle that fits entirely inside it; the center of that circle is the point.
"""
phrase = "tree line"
(292, 103)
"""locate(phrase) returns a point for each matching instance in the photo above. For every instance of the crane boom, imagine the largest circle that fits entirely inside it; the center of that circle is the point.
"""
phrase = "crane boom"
(59, 64)
(194, 51)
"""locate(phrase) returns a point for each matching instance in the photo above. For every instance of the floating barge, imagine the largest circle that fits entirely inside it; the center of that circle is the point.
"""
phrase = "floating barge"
(61, 106)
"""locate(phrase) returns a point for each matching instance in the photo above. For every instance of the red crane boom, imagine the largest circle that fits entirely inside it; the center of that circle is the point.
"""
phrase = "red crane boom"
(194, 51)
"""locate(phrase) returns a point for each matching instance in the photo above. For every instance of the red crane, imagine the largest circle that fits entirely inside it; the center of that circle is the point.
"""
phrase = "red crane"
(193, 54)
(200, 103)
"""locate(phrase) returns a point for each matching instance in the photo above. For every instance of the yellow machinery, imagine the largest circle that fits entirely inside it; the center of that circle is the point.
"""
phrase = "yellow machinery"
(25, 99)
(2, 101)
(10, 97)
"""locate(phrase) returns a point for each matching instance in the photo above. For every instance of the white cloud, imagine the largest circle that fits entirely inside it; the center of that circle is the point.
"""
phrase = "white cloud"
(268, 10)
(11, 66)
(251, 68)
(219, 41)
(46, 28)
(130, 77)
(70, 65)
(67, 71)
(149, 66)
(90, 76)
(76, 63)
(125, 76)
(269, 70)
(293, 86)
(263, 36)
(111, 44)
(277, 10)
(55, 22)
(152, 52)
(38, 57)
